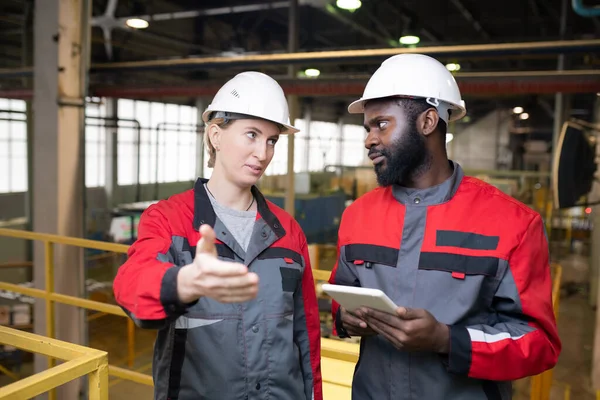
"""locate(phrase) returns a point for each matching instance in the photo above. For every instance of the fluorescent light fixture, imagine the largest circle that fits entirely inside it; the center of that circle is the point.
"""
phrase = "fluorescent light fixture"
(524, 116)
(350, 5)
(312, 72)
(453, 67)
(137, 23)
(517, 110)
(449, 137)
(409, 40)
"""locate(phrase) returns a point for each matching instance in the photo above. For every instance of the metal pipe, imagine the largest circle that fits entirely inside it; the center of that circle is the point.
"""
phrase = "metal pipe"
(482, 83)
(120, 22)
(583, 11)
(338, 56)
(559, 96)
(469, 17)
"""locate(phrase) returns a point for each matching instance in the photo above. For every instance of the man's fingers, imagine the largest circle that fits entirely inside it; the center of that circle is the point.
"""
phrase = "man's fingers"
(410, 313)
(350, 319)
(235, 283)
(370, 314)
(206, 244)
(215, 267)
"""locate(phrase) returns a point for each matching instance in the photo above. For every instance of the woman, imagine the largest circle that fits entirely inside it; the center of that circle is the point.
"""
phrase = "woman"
(223, 273)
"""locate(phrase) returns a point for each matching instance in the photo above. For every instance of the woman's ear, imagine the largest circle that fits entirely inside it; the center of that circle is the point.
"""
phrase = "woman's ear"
(429, 121)
(214, 135)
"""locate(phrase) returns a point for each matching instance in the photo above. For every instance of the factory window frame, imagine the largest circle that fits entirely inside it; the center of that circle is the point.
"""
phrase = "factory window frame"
(95, 145)
(13, 146)
(167, 143)
(325, 146)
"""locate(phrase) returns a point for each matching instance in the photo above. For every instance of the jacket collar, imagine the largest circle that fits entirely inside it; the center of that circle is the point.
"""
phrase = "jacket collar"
(205, 214)
(433, 195)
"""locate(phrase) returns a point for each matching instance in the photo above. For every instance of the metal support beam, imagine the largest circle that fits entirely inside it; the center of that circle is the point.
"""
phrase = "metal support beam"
(200, 107)
(339, 56)
(469, 17)
(290, 194)
(61, 52)
(559, 97)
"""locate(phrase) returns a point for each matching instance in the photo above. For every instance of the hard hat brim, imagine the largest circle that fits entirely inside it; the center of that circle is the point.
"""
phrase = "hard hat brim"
(358, 107)
(289, 129)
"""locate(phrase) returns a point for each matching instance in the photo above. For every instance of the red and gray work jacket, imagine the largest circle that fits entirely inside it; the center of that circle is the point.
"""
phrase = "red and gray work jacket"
(476, 259)
(266, 348)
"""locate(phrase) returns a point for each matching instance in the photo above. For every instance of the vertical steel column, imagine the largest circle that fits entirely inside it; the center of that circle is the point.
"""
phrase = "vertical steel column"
(340, 141)
(290, 194)
(111, 167)
(559, 112)
(200, 106)
(61, 56)
(307, 123)
(595, 265)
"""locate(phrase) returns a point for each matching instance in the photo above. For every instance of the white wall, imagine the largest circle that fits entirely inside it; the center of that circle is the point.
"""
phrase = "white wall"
(474, 147)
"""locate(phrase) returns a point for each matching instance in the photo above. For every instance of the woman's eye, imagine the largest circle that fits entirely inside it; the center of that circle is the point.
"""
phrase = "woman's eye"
(251, 134)
(272, 142)
(382, 124)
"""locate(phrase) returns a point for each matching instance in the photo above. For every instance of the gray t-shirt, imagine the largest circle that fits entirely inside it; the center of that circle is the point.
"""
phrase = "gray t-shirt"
(239, 223)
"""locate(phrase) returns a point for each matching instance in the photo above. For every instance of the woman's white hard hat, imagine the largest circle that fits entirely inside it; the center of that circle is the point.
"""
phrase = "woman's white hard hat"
(414, 76)
(252, 94)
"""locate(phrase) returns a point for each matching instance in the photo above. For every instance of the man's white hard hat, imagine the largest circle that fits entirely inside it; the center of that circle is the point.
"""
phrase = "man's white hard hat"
(252, 94)
(414, 76)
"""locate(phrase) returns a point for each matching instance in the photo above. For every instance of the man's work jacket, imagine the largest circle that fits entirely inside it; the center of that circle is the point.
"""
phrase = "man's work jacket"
(476, 259)
(266, 348)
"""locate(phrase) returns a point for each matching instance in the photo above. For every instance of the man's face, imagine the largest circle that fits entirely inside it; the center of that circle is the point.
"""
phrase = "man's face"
(396, 147)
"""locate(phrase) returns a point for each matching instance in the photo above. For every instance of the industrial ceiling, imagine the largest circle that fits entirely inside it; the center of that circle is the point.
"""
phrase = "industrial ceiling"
(508, 51)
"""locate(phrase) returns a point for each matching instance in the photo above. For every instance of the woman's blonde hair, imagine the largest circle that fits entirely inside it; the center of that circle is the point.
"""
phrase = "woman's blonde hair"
(222, 123)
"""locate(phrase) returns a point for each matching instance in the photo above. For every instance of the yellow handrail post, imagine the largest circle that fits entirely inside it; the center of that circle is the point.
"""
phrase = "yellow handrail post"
(130, 343)
(541, 384)
(50, 318)
(99, 382)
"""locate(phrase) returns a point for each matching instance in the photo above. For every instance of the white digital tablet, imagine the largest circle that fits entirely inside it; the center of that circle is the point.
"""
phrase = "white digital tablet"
(352, 298)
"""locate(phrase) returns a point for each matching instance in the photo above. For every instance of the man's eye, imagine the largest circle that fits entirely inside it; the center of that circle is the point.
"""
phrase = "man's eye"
(382, 124)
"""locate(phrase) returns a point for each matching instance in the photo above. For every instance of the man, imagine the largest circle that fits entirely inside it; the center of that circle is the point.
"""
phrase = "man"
(467, 265)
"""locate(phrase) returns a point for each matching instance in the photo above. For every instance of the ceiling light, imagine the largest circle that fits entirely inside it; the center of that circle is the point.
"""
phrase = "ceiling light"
(518, 110)
(312, 72)
(409, 39)
(137, 23)
(350, 5)
(449, 137)
(524, 116)
(453, 67)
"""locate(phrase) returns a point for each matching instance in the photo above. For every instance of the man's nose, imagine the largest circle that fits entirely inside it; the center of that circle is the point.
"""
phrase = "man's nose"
(371, 140)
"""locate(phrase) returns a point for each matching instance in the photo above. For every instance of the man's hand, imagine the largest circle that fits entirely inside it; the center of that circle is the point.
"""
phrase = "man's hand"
(410, 329)
(354, 325)
(207, 276)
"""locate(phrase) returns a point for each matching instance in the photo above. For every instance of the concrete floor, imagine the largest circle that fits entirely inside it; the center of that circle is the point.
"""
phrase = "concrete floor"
(576, 326)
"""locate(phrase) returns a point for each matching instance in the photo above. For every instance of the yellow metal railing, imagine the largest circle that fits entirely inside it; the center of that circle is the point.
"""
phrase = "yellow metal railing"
(542, 384)
(340, 357)
(51, 297)
(80, 361)
(337, 355)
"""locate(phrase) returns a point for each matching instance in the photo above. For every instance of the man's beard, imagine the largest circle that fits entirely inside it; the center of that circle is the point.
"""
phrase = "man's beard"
(405, 159)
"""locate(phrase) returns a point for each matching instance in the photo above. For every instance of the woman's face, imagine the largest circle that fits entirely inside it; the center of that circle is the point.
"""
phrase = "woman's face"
(246, 148)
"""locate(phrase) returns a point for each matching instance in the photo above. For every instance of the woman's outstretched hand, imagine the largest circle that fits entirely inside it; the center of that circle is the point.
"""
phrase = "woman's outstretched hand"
(207, 276)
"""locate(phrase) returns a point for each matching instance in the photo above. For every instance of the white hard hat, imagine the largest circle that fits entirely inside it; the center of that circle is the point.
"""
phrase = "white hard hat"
(252, 94)
(414, 75)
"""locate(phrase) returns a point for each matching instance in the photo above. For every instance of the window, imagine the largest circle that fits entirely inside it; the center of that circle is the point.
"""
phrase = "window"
(13, 146)
(95, 143)
(168, 140)
(324, 144)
